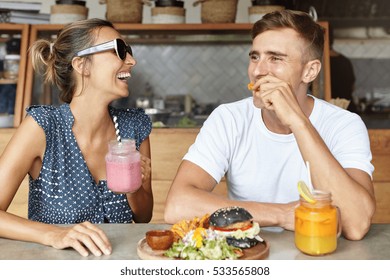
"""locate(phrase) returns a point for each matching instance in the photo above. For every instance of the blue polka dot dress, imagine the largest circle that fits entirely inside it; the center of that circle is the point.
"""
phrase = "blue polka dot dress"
(65, 191)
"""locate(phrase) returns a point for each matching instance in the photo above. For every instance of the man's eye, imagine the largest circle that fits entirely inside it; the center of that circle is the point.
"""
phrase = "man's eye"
(275, 58)
(254, 57)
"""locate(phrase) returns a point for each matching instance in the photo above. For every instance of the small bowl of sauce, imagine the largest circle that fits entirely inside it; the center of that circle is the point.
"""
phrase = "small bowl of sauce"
(159, 239)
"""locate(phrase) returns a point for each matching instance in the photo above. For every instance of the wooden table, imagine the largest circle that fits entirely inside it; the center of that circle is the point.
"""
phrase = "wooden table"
(124, 239)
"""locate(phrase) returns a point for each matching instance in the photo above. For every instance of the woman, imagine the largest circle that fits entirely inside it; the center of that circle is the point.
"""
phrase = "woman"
(63, 148)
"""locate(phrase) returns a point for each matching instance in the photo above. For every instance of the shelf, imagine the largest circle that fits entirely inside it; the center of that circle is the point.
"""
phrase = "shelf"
(8, 81)
(170, 33)
(187, 27)
(22, 30)
(186, 33)
(358, 22)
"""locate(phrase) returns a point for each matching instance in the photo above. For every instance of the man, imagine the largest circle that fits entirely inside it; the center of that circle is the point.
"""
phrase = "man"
(261, 143)
(342, 75)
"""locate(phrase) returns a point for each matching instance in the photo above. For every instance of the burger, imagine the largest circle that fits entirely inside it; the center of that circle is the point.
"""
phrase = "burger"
(237, 225)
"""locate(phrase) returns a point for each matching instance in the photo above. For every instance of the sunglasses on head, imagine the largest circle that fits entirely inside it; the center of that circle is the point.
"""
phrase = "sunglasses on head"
(120, 47)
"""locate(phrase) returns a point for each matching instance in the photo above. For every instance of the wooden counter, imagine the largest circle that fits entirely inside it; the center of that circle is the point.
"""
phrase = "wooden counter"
(170, 145)
(380, 148)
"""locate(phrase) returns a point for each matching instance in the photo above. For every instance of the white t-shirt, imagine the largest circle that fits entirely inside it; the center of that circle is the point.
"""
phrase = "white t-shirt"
(264, 166)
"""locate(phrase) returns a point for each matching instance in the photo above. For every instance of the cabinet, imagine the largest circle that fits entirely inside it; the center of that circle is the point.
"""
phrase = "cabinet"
(23, 31)
(380, 148)
(175, 34)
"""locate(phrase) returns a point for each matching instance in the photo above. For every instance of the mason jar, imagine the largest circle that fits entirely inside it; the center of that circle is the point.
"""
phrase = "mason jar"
(316, 225)
(123, 166)
(11, 66)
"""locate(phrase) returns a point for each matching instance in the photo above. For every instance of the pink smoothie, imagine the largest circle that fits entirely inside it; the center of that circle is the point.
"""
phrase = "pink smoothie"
(123, 177)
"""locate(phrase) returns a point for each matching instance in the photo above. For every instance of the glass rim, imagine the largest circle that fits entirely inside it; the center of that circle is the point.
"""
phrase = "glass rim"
(319, 195)
(123, 141)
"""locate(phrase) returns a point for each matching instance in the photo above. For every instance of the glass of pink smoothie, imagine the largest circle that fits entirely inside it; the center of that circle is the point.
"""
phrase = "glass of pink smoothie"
(123, 166)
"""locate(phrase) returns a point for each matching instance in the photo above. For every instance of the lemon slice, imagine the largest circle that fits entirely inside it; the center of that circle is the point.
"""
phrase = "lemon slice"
(305, 192)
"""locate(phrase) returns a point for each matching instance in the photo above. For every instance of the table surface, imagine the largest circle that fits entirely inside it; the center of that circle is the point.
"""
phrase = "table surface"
(125, 237)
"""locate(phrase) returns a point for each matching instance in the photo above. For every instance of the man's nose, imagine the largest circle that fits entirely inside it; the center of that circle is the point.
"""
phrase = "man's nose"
(261, 68)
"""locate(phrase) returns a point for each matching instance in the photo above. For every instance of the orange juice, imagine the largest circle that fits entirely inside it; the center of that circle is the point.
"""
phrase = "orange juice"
(316, 225)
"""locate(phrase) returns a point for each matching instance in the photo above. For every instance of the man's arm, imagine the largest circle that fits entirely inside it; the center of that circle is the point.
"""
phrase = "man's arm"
(191, 196)
(352, 189)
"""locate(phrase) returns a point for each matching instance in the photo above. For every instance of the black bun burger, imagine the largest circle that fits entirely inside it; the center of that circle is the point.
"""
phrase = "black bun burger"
(237, 225)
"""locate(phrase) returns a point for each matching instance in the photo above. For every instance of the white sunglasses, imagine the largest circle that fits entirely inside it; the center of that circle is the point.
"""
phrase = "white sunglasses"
(120, 47)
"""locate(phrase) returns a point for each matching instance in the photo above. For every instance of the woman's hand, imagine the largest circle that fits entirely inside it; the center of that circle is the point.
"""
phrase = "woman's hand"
(84, 238)
(146, 169)
(141, 201)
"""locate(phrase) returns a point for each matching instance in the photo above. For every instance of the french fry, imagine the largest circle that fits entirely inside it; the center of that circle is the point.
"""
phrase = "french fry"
(181, 228)
(204, 222)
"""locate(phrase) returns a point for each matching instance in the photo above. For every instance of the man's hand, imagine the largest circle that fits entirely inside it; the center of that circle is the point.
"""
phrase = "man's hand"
(288, 221)
(271, 93)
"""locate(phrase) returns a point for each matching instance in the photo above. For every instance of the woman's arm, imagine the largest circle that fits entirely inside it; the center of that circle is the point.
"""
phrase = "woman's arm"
(23, 155)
